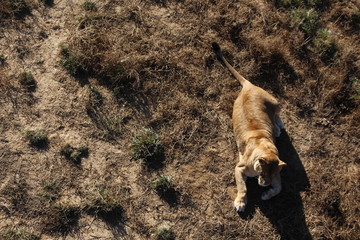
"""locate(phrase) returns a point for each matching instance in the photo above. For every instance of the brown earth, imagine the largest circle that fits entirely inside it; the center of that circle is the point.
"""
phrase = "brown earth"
(153, 65)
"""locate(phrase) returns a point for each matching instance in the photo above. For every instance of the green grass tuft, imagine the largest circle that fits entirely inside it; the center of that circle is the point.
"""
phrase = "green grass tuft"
(71, 62)
(162, 183)
(326, 45)
(37, 139)
(112, 126)
(95, 97)
(19, 7)
(146, 145)
(102, 202)
(89, 6)
(66, 150)
(26, 79)
(307, 20)
(165, 233)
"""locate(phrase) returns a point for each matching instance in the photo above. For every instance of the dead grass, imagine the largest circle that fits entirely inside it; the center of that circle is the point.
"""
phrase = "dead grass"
(129, 66)
(74, 154)
(61, 219)
(102, 201)
(14, 8)
(19, 234)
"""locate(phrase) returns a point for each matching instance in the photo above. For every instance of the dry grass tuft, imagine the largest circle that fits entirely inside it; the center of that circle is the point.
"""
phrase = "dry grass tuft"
(105, 202)
(74, 154)
(19, 234)
(61, 219)
(14, 8)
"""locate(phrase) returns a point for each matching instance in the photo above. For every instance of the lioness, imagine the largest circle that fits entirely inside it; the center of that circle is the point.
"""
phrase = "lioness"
(256, 123)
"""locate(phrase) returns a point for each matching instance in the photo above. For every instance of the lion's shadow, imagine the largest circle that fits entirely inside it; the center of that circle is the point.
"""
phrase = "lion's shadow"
(285, 211)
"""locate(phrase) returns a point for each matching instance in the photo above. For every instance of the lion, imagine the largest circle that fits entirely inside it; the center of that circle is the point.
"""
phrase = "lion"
(256, 123)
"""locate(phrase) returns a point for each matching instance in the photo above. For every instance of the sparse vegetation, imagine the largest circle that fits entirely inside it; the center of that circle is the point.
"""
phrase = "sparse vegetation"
(89, 6)
(37, 139)
(165, 233)
(62, 218)
(27, 80)
(96, 57)
(21, 52)
(165, 188)
(71, 62)
(102, 201)
(2, 59)
(14, 8)
(290, 3)
(19, 234)
(162, 183)
(51, 190)
(325, 44)
(43, 34)
(302, 3)
(47, 2)
(355, 17)
(95, 97)
(74, 154)
(17, 192)
(19, 7)
(89, 21)
(66, 150)
(146, 145)
(111, 125)
(84, 151)
(307, 20)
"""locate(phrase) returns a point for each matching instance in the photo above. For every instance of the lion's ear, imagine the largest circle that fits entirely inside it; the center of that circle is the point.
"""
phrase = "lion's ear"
(281, 164)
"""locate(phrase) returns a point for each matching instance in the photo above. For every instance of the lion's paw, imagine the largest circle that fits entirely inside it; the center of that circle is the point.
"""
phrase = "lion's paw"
(239, 205)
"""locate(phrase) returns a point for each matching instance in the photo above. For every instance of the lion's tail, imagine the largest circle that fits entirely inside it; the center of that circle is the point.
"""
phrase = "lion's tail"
(220, 56)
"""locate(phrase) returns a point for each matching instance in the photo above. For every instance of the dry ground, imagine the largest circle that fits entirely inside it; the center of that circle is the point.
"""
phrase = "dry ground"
(149, 64)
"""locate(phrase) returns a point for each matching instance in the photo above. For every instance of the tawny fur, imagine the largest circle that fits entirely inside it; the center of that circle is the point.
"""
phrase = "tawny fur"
(256, 124)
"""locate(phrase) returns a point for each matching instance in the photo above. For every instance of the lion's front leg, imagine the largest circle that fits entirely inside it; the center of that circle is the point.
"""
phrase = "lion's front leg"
(275, 190)
(240, 178)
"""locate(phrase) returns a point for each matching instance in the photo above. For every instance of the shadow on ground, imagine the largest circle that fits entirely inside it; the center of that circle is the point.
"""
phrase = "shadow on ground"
(286, 210)
(170, 195)
(114, 219)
